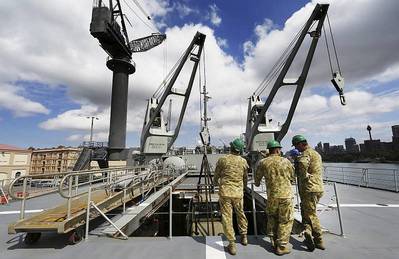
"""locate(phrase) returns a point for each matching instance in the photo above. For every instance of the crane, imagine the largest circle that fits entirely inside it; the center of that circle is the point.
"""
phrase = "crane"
(259, 129)
(109, 28)
(157, 137)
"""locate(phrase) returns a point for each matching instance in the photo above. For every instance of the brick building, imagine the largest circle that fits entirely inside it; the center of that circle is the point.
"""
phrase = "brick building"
(53, 160)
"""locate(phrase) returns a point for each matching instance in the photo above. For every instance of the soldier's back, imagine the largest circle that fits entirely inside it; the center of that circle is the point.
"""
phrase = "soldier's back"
(278, 173)
(314, 181)
(233, 168)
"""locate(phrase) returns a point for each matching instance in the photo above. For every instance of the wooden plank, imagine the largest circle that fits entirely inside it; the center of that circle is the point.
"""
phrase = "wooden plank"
(55, 219)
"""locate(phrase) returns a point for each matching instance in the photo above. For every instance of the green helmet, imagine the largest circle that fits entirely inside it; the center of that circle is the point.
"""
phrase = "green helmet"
(238, 145)
(273, 144)
(298, 139)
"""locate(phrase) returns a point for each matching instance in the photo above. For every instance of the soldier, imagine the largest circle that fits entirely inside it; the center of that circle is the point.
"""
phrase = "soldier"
(231, 176)
(310, 182)
(279, 175)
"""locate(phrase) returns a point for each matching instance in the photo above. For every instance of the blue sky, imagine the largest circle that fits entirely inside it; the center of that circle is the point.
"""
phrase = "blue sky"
(61, 78)
(238, 18)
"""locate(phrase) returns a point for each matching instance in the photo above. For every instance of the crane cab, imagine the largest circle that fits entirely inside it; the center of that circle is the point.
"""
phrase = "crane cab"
(265, 131)
(159, 137)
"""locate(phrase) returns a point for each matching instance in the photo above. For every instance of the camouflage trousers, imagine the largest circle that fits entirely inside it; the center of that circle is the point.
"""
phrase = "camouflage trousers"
(280, 218)
(226, 208)
(310, 220)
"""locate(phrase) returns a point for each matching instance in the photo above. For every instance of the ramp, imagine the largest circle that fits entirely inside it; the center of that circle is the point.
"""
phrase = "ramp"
(83, 160)
(57, 220)
(133, 218)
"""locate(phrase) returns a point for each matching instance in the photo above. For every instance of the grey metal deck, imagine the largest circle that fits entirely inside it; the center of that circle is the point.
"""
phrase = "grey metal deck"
(370, 232)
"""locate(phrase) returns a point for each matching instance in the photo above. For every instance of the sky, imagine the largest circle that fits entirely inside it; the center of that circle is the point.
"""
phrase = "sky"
(53, 73)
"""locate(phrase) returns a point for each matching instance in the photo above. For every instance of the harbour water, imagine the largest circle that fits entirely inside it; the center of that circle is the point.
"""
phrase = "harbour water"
(373, 175)
(365, 165)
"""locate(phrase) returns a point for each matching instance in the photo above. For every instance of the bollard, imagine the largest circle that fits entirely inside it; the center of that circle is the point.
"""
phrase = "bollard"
(396, 180)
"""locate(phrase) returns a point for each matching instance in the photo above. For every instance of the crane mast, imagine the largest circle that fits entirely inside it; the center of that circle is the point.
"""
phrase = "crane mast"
(109, 28)
(259, 131)
(156, 138)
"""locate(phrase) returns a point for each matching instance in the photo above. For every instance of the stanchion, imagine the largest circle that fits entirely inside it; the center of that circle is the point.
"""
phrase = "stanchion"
(69, 197)
(22, 213)
(170, 212)
(124, 198)
(88, 213)
(254, 210)
(339, 210)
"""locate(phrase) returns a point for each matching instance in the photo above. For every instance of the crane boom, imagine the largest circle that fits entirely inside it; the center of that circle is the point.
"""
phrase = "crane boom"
(155, 138)
(258, 127)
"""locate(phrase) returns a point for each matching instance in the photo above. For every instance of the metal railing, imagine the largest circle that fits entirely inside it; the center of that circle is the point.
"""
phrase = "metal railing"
(331, 193)
(109, 180)
(29, 186)
(378, 178)
(124, 181)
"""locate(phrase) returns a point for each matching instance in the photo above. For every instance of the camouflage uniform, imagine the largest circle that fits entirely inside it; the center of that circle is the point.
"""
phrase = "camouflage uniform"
(231, 175)
(310, 183)
(279, 175)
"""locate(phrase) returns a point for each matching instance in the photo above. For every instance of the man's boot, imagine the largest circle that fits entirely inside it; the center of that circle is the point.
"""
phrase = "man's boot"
(309, 241)
(231, 248)
(282, 250)
(319, 244)
(244, 240)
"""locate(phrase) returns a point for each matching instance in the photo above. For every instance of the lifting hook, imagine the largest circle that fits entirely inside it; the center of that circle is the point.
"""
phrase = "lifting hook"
(338, 82)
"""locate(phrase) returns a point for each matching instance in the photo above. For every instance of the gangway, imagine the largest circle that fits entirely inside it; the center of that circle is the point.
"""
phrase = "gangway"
(101, 188)
(134, 216)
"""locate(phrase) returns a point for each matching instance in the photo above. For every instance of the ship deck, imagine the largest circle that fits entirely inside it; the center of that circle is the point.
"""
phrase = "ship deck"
(370, 221)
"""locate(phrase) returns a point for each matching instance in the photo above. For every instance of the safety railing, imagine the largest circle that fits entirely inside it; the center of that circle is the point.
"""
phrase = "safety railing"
(32, 186)
(330, 191)
(3, 190)
(147, 181)
(378, 178)
(109, 180)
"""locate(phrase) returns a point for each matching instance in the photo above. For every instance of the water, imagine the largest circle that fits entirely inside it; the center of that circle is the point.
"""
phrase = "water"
(373, 175)
(365, 165)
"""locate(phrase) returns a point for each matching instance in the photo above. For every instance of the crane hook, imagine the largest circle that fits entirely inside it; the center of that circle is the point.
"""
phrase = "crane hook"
(339, 82)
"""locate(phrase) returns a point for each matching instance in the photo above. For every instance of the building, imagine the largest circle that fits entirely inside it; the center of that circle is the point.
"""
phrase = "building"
(53, 160)
(351, 146)
(395, 131)
(14, 161)
(326, 147)
(372, 146)
(338, 149)
(395, 137)
(319, 147)
(362, 148)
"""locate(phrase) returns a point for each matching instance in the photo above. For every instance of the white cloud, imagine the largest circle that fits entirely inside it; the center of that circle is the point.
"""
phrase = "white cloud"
(11, 99)
(184, 10)
(366, 47)
(97, 136)
(222, 42)
(263, 29)
(214, 16)
(77, 120)
(58, 49)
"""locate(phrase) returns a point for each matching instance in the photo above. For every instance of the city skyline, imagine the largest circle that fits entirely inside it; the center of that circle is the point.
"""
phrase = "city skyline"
(370, 145)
